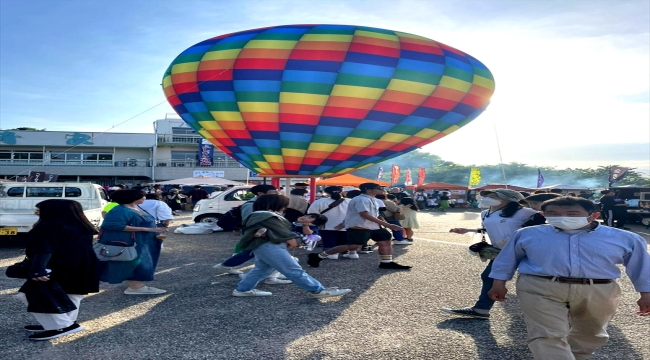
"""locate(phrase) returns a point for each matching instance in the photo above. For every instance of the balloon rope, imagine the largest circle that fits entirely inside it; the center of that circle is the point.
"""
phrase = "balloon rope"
(503, 171)
(119, 124)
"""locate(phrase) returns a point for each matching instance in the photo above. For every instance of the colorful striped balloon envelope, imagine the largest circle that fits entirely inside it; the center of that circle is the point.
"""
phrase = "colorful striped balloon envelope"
(323, 100)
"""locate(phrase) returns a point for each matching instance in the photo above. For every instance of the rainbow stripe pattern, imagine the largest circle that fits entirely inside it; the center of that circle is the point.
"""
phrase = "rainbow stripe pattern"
(324, 100)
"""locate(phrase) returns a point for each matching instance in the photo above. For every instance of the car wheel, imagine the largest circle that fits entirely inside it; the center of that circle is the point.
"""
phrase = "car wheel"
(645, 221)
(207, 218)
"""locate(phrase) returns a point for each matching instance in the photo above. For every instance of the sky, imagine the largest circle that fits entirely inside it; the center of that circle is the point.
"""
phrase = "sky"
(572, 77)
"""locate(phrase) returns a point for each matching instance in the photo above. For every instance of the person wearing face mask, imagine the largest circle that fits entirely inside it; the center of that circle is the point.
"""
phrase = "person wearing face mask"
(567, 270)
(503, 216)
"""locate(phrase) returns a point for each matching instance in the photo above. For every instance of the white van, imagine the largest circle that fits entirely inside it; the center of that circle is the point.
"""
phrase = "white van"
(18, 199)
(209, 210)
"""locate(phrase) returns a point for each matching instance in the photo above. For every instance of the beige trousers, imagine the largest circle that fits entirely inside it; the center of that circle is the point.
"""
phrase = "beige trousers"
(566, 321)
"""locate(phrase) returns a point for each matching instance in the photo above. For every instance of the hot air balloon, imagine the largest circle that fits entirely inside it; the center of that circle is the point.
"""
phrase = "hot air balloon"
(324, 100)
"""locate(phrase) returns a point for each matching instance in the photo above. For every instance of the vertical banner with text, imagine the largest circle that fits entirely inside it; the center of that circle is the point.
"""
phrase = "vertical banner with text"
(206, 153)
(394, 174)
(422, 174)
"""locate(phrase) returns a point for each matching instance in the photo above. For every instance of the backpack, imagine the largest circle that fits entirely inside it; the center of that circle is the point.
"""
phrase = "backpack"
(231, 220)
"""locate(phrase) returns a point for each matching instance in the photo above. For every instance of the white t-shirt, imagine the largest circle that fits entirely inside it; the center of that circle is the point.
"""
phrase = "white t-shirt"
(500, 229)
(158, 209)
(334, 216)
(358, 205)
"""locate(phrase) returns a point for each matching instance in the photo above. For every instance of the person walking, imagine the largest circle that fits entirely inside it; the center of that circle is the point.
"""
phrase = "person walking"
(567, 286)
(198, 194)
(129, 224)
(268, 235)
(60, 253)
(444, 200)
(158, 209)
(421, 198)
(504, 216)
(335, 206)
(410, 222)
(173, 200)
(390, 202)
(362, 224)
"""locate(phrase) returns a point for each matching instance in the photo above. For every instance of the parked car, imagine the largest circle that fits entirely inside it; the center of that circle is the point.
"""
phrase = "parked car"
(209, 210)
(18, 200)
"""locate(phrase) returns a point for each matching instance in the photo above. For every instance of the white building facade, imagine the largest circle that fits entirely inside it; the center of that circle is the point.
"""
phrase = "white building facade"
(171, 152)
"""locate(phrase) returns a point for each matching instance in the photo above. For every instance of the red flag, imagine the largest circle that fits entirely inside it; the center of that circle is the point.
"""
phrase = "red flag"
(394, 175)
(408, 181)
(421, 175)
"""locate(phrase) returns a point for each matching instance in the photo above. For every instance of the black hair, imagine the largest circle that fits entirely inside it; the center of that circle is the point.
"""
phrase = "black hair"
(409, 201)
(63, 211)
(368, 186)
(543, 197)
(352, 194)
(298, 191)
(319, 220)
(127, 196)
(588, 205)
(510, 209)
(380, 196)
(334, 191)
(391, 197)
(271, 202)
(262, 188)
(152, 197)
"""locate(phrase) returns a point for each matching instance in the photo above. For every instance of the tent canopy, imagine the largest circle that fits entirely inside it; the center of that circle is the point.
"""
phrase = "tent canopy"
(502, 186)
(349, 180)
(440, 186)
(201, 180)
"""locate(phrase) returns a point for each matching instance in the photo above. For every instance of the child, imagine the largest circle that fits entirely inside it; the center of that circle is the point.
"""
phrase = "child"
(410, 222)
(308, 226)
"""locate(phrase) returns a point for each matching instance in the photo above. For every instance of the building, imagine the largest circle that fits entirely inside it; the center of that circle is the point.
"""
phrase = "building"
(171, 152)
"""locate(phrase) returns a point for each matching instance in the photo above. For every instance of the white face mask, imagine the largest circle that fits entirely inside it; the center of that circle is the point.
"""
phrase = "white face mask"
(568, 222)
(488, 202)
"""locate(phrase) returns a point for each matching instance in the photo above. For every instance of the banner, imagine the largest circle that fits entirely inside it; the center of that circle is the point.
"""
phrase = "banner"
(422, 174)
(474, 177)
(394, 174)
(380, 173)
(208, 173)
(408, 181)
(540, 179)
(206, 152)
(616, 173)
(36, 176)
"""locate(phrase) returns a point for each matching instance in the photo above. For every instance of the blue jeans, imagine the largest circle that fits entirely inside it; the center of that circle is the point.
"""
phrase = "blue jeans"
(398, 235)
(484, 302)
(270, 257)
(238, 259)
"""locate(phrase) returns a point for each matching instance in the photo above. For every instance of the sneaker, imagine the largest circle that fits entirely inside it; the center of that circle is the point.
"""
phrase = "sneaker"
(229, 270)
(253, 292)
(333, 257)
(402, 242)
(468, 311)
(34, 328)
(145, 290)
(276, 281)
(281, 277)
(53, 334)
(329, 292)
(366, 250)
(313, 260)
(393, 265)
(353, 256)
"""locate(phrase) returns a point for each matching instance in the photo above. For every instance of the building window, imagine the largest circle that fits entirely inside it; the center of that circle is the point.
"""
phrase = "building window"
(5, 155)
(183, 131)
(185, 155)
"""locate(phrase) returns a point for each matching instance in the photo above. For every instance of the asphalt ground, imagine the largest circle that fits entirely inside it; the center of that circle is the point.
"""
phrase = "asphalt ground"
(388, 314)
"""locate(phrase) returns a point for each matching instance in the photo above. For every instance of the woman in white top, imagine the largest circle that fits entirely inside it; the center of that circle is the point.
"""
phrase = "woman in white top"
(504, 216)
(334, 207)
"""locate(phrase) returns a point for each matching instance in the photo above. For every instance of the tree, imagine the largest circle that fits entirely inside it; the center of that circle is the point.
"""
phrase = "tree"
(26, 129)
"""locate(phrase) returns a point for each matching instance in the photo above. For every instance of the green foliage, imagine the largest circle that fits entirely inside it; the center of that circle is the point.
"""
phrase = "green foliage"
(517, 174)
(26, 129)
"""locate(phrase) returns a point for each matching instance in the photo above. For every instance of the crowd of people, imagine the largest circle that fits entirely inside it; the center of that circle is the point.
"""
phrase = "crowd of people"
(567, 261)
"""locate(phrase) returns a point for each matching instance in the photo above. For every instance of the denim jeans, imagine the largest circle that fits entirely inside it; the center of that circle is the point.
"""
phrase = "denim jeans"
(398, 235)
(270, 257)
(238, 259)
(484, 302)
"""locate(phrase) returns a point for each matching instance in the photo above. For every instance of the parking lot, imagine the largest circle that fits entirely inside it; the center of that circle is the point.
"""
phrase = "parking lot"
(388, 315)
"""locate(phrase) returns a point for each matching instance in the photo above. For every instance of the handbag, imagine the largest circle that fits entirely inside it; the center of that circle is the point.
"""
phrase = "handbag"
(115, 250)
(19, 270)
(399, 215)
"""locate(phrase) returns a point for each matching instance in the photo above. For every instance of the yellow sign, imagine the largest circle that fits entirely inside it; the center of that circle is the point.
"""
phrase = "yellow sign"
(8, 231)
(474, 177)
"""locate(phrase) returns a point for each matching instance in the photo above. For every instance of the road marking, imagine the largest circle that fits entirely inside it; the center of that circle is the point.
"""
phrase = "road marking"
(441, 242)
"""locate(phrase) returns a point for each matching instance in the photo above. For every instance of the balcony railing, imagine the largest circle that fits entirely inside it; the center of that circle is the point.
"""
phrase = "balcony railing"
(123, 163)
(179, 139)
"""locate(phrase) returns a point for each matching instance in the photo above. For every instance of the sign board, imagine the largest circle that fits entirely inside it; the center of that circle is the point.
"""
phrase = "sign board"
(36, 176)
(208, 173)
(253, 174)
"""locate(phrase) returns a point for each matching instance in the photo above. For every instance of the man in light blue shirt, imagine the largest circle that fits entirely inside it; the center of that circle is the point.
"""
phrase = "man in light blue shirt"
(566, 287)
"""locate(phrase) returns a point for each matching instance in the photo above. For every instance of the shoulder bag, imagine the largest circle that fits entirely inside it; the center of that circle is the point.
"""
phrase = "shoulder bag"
(333, 205)
(115, 250)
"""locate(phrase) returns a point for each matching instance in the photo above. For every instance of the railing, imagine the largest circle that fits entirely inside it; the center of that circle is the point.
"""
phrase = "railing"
(194, 163)
(179, 139)
(123, 163)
